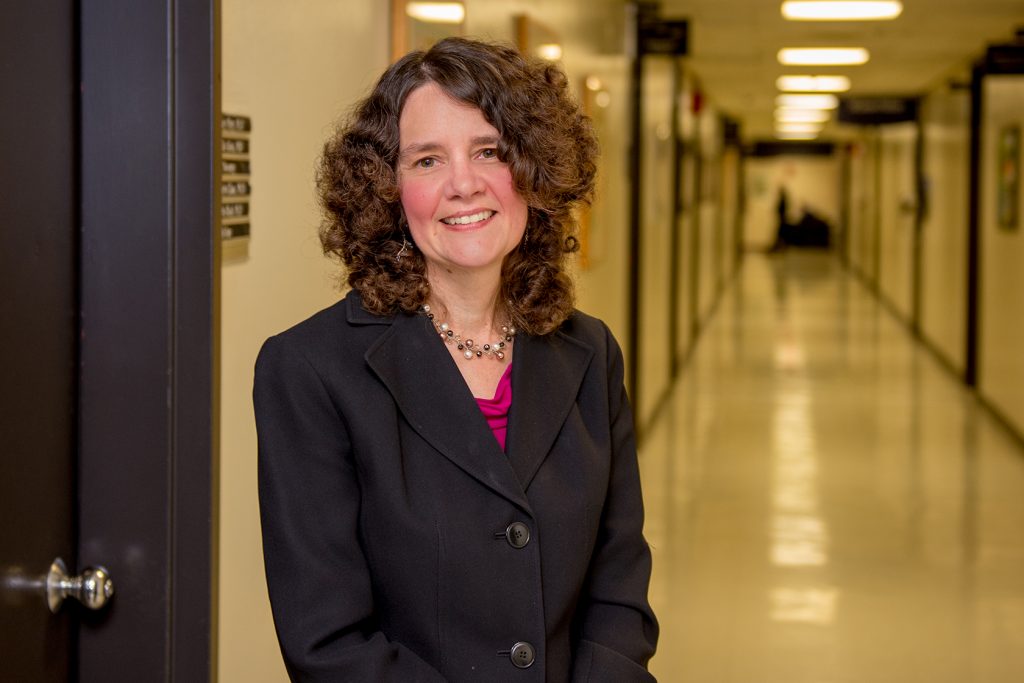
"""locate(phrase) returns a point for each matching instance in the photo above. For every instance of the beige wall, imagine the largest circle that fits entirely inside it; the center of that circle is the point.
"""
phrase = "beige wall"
(861, 241)
(710, 239)
(898, 207)
(1001, 313)
(946, 119)
(656, 230)
(293, 67)
(688, 133)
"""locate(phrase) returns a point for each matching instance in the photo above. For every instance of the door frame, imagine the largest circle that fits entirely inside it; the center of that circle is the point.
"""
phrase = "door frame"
(148, 392)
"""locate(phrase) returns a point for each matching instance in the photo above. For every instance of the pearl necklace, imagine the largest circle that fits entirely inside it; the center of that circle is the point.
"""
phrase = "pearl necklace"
(468, 348)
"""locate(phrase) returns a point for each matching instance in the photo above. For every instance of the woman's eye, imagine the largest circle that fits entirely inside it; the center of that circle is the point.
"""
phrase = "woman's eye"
(428, 162)
(489, 153)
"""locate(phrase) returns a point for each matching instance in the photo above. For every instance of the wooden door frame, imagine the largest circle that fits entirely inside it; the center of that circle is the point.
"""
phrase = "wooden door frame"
(148, 396)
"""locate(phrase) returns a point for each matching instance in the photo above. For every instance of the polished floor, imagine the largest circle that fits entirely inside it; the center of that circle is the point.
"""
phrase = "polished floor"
(826, 503)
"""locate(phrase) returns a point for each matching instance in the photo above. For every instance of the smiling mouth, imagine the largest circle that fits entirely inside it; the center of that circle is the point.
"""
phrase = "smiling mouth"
(466, 220)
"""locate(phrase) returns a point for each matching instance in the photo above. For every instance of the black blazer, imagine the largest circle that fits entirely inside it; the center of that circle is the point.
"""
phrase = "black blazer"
(402, 544)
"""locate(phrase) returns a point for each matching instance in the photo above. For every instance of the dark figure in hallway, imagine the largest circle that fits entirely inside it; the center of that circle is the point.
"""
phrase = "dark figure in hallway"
(782, 226)
(449, 487)
(810, 231)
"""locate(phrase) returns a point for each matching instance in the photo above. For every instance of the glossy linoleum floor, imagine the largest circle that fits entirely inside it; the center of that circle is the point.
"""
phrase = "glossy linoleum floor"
(825, 502)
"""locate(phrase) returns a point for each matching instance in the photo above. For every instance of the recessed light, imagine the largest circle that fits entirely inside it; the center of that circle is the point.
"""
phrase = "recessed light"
(795, 136)
(823, 56)
(788, 115)
(437, 12)
(813, 83)
(821, 10)
(786, 127)
(822, 101)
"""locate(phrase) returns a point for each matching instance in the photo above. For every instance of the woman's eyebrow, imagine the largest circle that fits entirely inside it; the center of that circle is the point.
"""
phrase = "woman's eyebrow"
(418, 148)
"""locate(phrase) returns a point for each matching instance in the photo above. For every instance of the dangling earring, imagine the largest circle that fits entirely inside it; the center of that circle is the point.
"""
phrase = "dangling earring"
(405, 246)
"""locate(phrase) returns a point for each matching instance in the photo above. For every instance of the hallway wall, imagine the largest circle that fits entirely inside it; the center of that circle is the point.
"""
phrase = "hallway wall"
(897, 211)
(946, 116)
(294, 72)
(864, 186)
(1001, 314)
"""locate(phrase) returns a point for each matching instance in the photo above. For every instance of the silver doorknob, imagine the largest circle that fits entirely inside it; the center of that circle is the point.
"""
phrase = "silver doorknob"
(93, 588)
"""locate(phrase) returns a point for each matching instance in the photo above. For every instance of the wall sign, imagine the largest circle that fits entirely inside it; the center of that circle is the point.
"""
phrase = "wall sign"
(877, 110)
(235, 168)
(663, 37)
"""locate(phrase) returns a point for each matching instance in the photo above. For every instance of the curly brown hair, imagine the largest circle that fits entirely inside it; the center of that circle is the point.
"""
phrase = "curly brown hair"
(546, 141)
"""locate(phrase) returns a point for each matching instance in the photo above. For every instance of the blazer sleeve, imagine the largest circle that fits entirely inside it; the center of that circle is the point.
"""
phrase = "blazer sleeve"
(317, 573)
(617, 628)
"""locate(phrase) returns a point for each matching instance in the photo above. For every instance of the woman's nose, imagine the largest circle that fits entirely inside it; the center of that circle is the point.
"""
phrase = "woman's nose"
(464, 180)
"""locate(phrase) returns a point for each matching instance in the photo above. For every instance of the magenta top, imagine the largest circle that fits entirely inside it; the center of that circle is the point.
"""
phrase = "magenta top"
(495, 409)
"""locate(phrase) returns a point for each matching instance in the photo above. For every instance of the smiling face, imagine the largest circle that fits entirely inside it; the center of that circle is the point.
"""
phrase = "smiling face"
(463, 209)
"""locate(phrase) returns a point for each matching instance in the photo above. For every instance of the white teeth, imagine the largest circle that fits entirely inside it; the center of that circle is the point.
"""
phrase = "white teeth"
(466, 220)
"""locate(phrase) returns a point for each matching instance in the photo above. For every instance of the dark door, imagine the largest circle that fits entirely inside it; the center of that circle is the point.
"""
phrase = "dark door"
(39, 314)
(108, 274)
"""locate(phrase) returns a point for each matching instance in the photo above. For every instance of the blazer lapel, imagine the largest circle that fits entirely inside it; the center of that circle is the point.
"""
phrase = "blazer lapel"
(546, 376)
(430, 392)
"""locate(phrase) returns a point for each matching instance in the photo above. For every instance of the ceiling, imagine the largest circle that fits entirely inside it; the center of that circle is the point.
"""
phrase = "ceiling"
(733, 46)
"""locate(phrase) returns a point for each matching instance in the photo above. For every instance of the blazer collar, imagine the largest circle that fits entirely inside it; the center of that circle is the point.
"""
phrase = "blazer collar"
(430, 392)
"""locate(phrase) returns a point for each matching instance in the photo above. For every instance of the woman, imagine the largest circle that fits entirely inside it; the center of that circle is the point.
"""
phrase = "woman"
(448, 476)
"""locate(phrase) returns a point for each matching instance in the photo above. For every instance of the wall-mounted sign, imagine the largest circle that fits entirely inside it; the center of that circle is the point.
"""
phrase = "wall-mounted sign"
(1008, 178)
(877, 110)
(234, 146)
(663, 37)
(235, 168)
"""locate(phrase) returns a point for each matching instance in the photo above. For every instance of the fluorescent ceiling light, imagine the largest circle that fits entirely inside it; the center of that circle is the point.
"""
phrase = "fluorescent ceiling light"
(437, 12)
(823, 101)
(783, 127)
(827, 56)
(550, 51)
(820, 10)
(795, 136)
(813, 83)
(785, 115)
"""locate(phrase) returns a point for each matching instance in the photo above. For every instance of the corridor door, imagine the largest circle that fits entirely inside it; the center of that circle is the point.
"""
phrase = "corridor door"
(38, 351)
(108, 275)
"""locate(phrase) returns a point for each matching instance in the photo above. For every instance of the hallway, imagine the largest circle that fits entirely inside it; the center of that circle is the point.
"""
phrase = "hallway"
(825, 502)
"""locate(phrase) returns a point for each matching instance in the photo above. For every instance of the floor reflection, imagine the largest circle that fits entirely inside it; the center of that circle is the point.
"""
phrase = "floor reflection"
(826, 503)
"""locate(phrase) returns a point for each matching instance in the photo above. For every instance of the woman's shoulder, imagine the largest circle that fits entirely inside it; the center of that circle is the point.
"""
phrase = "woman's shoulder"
(344, 324)
(587, 329)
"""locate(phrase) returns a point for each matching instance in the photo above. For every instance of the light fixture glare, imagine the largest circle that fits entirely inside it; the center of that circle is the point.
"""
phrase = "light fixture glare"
(791, 115)
(804, 101)
(823, 56)
(783, 127)
(550, 51)
(855, 10)
(795, 136)
(437, 12)
(813, 83)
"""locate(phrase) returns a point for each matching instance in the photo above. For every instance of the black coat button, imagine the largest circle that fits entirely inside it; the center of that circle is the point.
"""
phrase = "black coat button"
(517, 534)
(522, 655)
